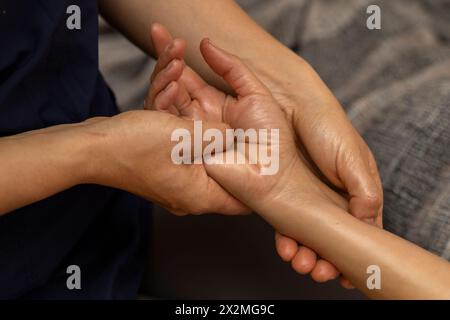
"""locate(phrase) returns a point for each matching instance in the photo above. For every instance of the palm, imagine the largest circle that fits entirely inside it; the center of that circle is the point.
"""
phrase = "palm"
(209, 104)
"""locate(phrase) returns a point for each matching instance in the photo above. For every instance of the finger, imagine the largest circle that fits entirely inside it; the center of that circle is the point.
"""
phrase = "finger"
(347, 164)
(375, 173)
(192, 81)
(232, 70)
(166, 98)
(286, 247)
(175, 100)
(161, 38)
(220, 201)
(175, 51)
(193, 153)
(171, 73)
(366, 194)
(345, 283)
(304, 261)
(233, 176)
(217, 200)
(324, 271)
(183, 103)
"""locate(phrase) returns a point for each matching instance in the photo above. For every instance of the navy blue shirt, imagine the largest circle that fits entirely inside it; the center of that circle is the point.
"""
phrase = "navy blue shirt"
(48, 76)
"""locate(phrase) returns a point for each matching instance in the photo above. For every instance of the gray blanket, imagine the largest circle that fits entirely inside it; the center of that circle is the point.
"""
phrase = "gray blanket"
(394, 83)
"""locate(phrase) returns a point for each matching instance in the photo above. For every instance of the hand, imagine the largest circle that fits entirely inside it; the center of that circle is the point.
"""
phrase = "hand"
(133, 153)
(336, 149)
(325, 137)
(255, 108)
(188, 95)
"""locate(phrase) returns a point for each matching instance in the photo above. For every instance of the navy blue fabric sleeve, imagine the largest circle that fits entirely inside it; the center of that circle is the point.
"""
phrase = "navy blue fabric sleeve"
(48, 76)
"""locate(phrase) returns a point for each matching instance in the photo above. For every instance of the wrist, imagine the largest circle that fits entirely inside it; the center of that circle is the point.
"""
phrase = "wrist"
(294, 83)
(301, 192)
(117, 152)
(280, 75)
(91, 148)
(286, 191)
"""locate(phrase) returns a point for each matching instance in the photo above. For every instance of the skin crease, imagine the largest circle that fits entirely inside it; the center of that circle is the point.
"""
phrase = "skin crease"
(319, 122)
(297, 203)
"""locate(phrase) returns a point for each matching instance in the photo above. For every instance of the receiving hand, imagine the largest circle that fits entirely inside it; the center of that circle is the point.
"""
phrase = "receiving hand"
(186, 94)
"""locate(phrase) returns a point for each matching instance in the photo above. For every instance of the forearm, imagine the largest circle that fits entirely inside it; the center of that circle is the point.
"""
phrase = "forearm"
(221, 20)
(41, 163)
(407, 271)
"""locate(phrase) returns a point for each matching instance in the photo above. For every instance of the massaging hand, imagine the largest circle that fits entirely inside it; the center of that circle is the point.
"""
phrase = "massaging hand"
(179, 90)
(135, 155)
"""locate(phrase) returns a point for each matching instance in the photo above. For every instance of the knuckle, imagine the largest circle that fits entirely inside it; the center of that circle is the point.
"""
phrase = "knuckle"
(184, 104)
(199, 209)
(178, 213)
(177, 209)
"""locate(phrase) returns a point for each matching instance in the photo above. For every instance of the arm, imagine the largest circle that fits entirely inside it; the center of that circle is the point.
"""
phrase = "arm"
(130, 151)
(41, 163)
(407, 271)
(320, 123)
(223, 20)
(298, 204)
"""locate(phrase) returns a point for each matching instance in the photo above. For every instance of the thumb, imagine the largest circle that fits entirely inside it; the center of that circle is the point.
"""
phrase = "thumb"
(232, 70)
(365, 190)
(191, 140)
(238, 179)
(188, 137)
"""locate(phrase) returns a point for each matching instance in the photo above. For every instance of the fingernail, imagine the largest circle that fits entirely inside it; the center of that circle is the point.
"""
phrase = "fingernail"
(212, 44)
(209, 42)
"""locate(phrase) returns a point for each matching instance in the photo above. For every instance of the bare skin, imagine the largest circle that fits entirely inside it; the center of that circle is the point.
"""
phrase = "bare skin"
(193, 98)
(317, 119)
(115, 152)
(319, 122)
(298, 204)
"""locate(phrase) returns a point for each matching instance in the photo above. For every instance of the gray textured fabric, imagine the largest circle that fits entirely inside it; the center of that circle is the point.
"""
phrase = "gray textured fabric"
(394, 84)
